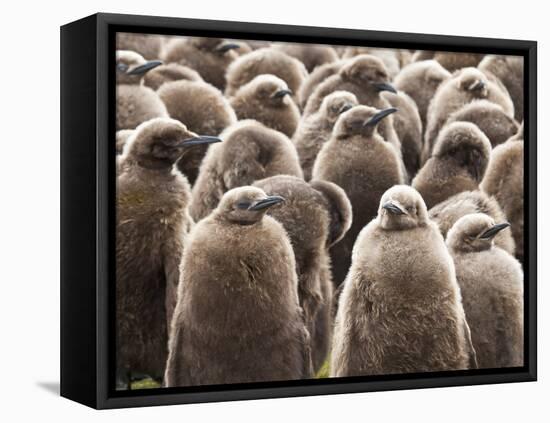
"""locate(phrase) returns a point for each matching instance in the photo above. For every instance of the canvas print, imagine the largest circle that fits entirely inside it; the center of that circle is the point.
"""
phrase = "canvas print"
(291, 211)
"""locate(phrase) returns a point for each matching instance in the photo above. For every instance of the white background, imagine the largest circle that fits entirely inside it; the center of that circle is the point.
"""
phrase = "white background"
(29, 232)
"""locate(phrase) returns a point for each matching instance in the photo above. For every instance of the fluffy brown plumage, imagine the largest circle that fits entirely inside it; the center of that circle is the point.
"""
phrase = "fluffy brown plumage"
(458, 163)
(504, 181)
(168, 73)
(359, 160)
(121, 139)
(147, 45)
(315, 216)
(265, 61)
(210, 57)
(446, 213)
(452, 61)
(203, 109)
(316, 129)
(268, 100)
(317, 76)
(400, 310)
(463, 87)
(311, 55)
(250, 152)
(238, 317)
(393, 59)
(491, 282)
(152, 223)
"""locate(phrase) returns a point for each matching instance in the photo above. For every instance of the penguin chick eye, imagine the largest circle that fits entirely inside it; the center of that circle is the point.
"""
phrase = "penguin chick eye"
(122, 67)
(243, 205)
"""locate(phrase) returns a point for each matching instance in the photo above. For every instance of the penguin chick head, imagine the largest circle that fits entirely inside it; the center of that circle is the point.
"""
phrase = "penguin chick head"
(472, 81)
(216, 46)
(402, 207)
(267, 90)
(466, 145)
(245, 205)
(360, 120)
(160, 142)
(369, 72)
(131, 67)
(474, 232)
(336, 103)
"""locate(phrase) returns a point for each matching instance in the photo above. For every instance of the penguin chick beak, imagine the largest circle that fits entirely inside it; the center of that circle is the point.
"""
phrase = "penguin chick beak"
(345, 107)
(393, 208)
(266, 203)
(491, 232)
(199, 140)
(384, 86)
(146, 67)
(281, 93)
(226, 47)
(373, 121)
(478, 85)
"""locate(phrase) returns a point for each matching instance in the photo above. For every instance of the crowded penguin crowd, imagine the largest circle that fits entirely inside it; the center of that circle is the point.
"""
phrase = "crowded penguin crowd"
(296, 211)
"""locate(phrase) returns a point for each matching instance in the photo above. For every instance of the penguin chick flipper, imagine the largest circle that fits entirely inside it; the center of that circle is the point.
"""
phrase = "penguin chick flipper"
(472, 356)
(309, 289)
(173, 251)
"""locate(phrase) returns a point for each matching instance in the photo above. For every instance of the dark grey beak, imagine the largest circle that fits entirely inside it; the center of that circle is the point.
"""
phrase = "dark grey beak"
(226, 47)
(491, 232)
(146, 67)
(281, 93)
(345, 107)
(384, 86)
(266, 202)
(373, 121)
(199, 140)
(392, 208)
(479, 85)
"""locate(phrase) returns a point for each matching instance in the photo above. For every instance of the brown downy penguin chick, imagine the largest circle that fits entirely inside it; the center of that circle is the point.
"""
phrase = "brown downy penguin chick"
(318, 75)
(393, 59)
(134, 102)
(122, 137)
(509, 70)
(203, 109)
(408, 126)
(452, 61)
(168, 73)
(238, 317)
(267, 99)
(518, 136)
(316, 129)
(364, 165)
(491, 283)
(210, 57)
(458, 163)
(400, 310)
(147, 45)
(311, 55)
(152, 222)
(419, 81)
(250, 151)
(504, 181)
(446, 213)
(315, 216)
(463, 87)
(490, 118)
(366, 77)
(265, 61)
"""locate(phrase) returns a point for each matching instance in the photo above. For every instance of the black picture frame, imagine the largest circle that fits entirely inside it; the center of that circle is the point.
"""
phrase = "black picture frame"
(88, 223)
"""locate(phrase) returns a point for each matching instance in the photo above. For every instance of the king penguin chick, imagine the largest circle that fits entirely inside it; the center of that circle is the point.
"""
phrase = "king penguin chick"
(168, 73)
(452, 61)
(509, 70)
(318, 75)
(152, 223)
(267, 99)
(316, 129)
(504, 181)
(148, 46)
(238, 317)
(134, 102)
(315, 216)
(250, 151)
(364, 165)
(458, 163)
(408, 126)
(491, 283)
(203, 109)
(420, 80)
(210, 57)
(393, 59)
(400, 310)
(446, 213)
(463, 87)
(311, 55)
(366, 77)
(490, 118)
(265, 61)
